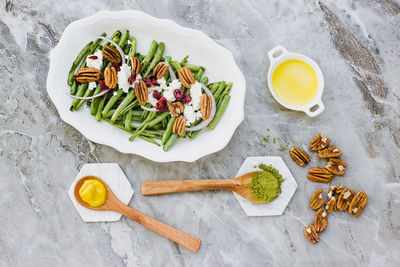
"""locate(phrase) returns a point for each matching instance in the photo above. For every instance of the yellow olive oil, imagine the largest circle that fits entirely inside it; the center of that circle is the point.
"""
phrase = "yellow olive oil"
(294, 82)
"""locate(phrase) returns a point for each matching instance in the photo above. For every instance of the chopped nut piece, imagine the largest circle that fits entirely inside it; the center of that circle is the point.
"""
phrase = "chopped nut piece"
(311, 234)
(317, 200)
(319, 142)
(336, 166)
(329, 152)
(319, 175)
(175, 108)
(299, 156)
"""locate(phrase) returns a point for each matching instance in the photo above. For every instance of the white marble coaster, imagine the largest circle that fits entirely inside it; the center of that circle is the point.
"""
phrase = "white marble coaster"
(277, 206)
(113, 175)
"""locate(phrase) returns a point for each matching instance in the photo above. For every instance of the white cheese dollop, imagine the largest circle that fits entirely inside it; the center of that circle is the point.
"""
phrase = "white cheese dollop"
(92, 85)
(195, 93)
(95, 63)
(151, 100)
(162, 82)
(169, 95)
(123, 77)
(175, 84)
(189, 114)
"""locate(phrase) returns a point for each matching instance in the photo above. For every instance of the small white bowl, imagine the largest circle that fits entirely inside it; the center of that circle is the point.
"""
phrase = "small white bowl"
(278, 55)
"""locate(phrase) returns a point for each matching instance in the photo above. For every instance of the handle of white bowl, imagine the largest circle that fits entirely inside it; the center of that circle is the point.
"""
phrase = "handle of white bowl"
(271, 53)
(316, 112)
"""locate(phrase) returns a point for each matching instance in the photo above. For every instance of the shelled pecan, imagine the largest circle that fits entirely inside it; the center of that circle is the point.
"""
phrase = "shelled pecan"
(311, 234)
(342, 203)
(329, 207)
(317, 200)
(160, 69)
(186, 77)
(135, 65)
(111, 54)
(329, 152)
(336, 166)
(319, 175)
(110, 77)
(205, 106)
(141, 92)
(87, 75)
(175, 108)
(299, 156)
(320, 220)
(358, 203)
(319, 142)
(179, 126)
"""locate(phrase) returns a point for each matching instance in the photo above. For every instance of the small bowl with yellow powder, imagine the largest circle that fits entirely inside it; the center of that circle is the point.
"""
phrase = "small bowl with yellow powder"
(274, 185)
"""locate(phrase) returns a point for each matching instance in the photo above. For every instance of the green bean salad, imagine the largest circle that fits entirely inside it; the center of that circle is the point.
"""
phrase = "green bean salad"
(150, 96)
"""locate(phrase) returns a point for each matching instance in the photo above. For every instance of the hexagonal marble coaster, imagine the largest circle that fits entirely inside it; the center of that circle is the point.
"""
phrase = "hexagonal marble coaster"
(277, 206)
(113, 175)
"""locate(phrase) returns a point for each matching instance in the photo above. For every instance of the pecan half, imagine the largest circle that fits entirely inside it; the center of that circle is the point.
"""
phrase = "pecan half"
(351, 197)
(141, 92)
(110, 77)
(342, 201)
(330, 152)
(336, 166)
(111, 54)
(319, 142)
(332, 191)
(159, 70)
(205, 106)
(311, 234)
(319, 175)
(358, 203)
(299, 156)
(179, 126)
(329, 207)
(175, 108)
(186, 77)
(320, 220)
(316, 200)
(339, 189)
(87, 75)
(135, 65)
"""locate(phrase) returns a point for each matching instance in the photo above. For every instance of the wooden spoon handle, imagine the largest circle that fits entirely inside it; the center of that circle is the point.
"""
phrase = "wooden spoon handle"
(188, 241)
(165, 187)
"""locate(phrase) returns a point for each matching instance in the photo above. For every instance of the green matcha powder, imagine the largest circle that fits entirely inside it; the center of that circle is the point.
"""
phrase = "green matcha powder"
(266, 185)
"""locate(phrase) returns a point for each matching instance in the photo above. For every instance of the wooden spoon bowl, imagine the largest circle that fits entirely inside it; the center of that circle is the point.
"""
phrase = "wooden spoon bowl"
(240, 185)
(114, 204)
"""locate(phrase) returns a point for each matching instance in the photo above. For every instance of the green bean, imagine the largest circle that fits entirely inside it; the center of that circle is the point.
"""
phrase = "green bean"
(220, 111)
(112, 101)
(200, 74)
(166, 76)
(76, 62)
(123, 39)
(224, 93)
(74, 87)
(127, 48)
(219, 90)
(193, 135)
(205, 81)
(100, 107)
(132, 51)
(81, 90)
(176, 66)
(158, 119)
(143, 126)
(168, 130)
(128, 99)
(191, 67)
(213, 87)
(156, 59)
(148, 139)
(146, 112)
(82, 101)
(95, 102)
(96, 44)
(149, 55)
(116, 34)
(128, 119)
(131, 106)
(184, 60)
(109, 113)
(170, 142)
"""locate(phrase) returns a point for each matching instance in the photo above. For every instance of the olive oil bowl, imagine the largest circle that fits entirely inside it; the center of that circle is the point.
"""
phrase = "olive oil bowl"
(295, 81)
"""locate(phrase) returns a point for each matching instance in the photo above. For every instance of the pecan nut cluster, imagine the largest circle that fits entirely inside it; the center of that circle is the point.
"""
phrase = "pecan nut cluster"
(339, 198)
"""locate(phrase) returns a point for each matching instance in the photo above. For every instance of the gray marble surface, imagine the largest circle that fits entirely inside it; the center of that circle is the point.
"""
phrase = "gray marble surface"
(356, 44)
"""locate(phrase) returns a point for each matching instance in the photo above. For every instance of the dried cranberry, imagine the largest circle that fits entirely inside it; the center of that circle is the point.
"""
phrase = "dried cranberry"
(103, 85)
(150, 81)
(116, 67)
(156, 95)
(186, 99)
(75, 77)
(179, 94)
(92, 57)
(161, 104)
(132, 78)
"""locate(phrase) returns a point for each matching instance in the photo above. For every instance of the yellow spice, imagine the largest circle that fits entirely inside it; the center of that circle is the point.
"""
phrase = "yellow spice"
(93, 192)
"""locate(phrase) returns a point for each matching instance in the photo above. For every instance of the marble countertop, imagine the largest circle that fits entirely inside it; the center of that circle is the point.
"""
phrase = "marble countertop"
(356, 44)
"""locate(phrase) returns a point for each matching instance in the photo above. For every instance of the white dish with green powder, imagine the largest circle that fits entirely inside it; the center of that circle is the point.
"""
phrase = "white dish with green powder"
(288, 187)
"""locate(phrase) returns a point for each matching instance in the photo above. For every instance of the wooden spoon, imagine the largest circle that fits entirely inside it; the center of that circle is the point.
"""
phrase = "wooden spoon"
(240, 185)
(114, 204)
